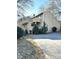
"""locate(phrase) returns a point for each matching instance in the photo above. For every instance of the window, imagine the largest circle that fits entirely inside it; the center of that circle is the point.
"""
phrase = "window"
(24, 24)
(38, 23)
(33, 24)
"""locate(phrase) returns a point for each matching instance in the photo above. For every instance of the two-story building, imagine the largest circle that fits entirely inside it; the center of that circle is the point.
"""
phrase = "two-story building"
(46, 16)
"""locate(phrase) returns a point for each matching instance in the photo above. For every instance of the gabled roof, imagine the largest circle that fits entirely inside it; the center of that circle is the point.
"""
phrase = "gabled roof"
(38, 15)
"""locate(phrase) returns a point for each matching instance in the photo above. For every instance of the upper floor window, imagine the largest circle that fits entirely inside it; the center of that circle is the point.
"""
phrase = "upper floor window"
(24, 24)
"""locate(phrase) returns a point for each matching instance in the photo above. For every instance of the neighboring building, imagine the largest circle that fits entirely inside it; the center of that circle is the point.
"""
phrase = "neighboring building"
(25, 23)
(46, 16)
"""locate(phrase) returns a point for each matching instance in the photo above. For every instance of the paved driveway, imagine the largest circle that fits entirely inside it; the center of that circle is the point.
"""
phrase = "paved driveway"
(54, 36)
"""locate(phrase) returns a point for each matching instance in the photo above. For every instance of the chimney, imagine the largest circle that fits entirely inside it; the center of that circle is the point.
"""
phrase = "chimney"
(33, 15)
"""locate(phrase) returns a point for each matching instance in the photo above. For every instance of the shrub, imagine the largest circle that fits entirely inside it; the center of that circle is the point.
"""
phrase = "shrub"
(35, 30)
(20, 32)
(26, 32)
(44, 29)
(54, 29)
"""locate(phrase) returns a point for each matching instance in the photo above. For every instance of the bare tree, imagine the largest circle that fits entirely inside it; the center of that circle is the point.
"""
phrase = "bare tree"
(55, 6)
(23, 6)
(52, 4)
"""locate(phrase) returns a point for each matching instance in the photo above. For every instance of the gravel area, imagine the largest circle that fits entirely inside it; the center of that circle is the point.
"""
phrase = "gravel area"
(27, 50)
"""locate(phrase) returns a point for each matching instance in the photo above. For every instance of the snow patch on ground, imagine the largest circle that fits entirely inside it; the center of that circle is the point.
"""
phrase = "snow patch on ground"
(51, 48)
